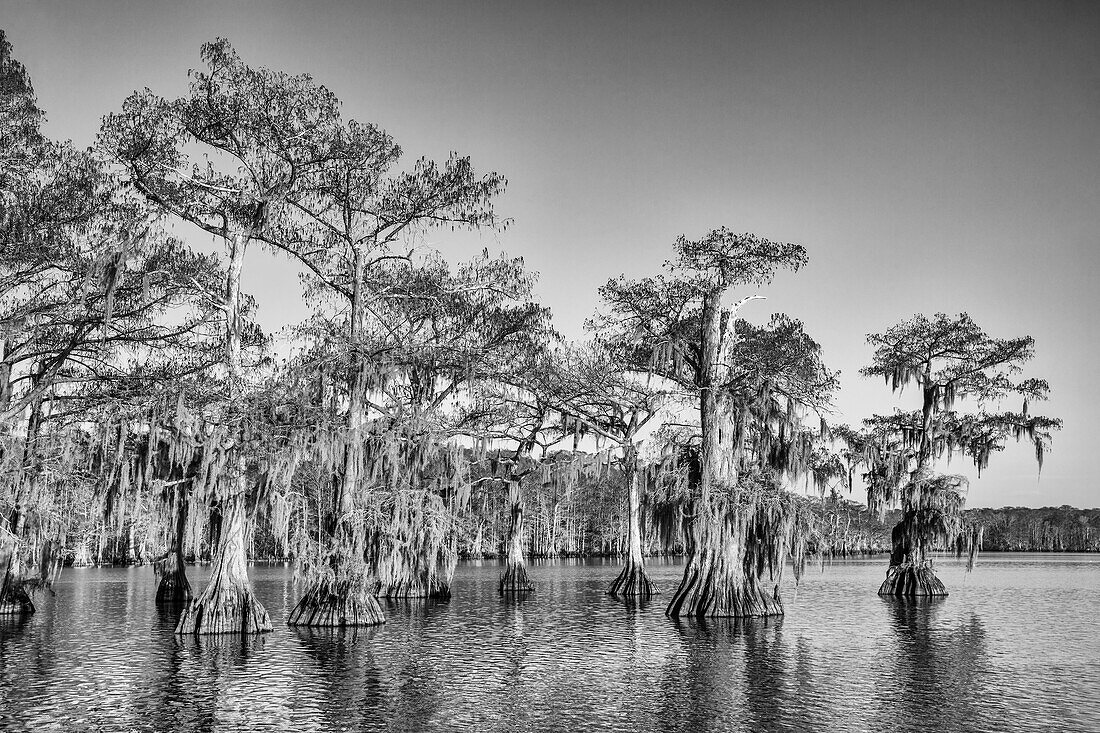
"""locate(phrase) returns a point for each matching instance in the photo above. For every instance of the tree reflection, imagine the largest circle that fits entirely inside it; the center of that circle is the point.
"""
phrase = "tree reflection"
(939, 671)
(416, 692)
(169, 700)
(198, 676)
(346, 674)
(737, 670)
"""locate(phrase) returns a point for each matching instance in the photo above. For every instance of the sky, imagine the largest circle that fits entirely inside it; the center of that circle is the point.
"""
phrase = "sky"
(930, 156)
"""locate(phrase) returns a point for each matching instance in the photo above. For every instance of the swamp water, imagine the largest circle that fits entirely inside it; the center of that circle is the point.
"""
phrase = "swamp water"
(1015, 647)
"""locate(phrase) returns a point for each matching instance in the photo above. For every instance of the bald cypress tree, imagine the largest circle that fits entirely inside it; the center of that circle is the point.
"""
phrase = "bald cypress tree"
(261, 132)
(948, 359)
(601, 394)
(86, 279)
(749, 385)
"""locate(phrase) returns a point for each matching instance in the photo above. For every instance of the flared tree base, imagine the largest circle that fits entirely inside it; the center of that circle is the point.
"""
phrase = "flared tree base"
(706, 597)
(634, 582)
(912, 581)
(15, 602)
(224, 610)
(334, 605)
(514, 580)
(172, 586)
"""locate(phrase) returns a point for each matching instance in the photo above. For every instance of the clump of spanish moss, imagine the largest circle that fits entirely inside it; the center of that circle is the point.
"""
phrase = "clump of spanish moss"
(337, 596)
(737, 548)
(416, 552)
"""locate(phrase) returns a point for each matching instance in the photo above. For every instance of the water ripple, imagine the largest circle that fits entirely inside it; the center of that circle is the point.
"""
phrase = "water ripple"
(1014, 648)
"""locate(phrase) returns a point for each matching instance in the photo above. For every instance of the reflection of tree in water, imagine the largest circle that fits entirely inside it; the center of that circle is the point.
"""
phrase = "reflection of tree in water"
(415, 696)
(365, 688)
(510, 710)
(171, 704)
(196, 677)
(940, 672)
(353, 695)
(14, 675)
(42, 657)
(736, 675)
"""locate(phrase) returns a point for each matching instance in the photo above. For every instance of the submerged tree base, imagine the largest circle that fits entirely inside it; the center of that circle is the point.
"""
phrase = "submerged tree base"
(633, 581)
(912, 581)
(514, 579)
(708, 598)
(333, 605)
(16, 602)
(172, 586)
(224, 610)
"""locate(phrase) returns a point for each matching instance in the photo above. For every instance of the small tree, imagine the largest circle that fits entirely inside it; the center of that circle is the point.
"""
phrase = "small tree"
(515, 409)
(598, 391)
(947, 358)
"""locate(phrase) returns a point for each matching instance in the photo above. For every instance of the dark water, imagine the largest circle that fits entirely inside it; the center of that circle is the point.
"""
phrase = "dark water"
(1016, 647)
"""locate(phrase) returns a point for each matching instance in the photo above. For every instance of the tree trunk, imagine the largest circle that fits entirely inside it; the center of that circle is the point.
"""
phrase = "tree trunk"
(912, 580)
(340, 594)
(171, 573)
(715, 582)
(477, 551)
(14, 599)
(227, 604)
(910, 574)
(723, 573)
(719, 580)
(328, 603)
(552, 540)
(633, 581)
(514, 578)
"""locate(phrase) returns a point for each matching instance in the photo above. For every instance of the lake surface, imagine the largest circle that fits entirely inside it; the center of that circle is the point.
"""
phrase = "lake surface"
(1015, 647)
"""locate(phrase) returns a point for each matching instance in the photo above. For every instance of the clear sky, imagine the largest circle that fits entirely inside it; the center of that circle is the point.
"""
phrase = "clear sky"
(931, 156)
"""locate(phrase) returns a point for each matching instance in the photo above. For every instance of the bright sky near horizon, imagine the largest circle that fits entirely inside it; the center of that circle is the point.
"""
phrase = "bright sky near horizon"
(932, 157)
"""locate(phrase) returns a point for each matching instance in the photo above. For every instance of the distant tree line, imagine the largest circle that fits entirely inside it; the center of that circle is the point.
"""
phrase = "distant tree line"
(1050, 529)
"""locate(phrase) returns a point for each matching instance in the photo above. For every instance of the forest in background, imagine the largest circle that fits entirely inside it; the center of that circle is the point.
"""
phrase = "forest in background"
(427, 411)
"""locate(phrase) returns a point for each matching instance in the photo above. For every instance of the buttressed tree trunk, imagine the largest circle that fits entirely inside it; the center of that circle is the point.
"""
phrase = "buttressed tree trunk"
(227, 604)
(14, 598)
(910, 574)
(722, 577)
(633, 581)
(172, 586)
(514, 577)
(339, 596)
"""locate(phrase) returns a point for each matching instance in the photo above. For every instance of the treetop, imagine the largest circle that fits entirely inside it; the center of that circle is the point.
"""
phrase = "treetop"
(954, 356)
